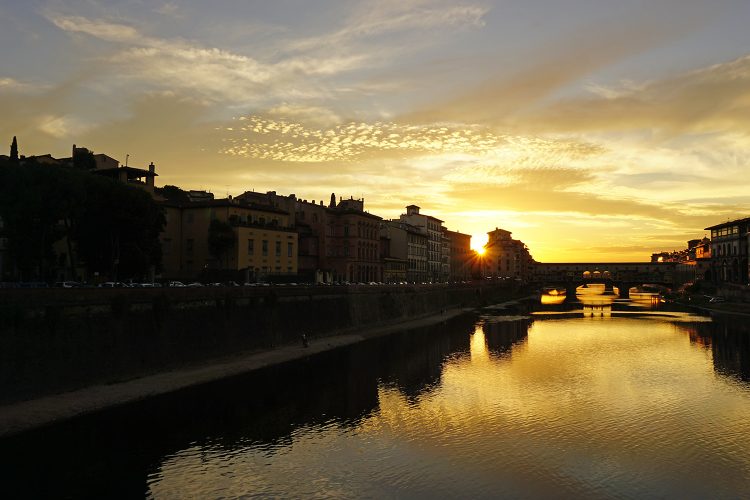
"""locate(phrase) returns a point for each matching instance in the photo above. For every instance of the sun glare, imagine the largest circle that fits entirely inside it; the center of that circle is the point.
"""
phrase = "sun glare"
(477, 243)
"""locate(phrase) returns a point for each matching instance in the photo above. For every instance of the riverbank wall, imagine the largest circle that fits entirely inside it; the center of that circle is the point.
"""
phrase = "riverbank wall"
(59, 340)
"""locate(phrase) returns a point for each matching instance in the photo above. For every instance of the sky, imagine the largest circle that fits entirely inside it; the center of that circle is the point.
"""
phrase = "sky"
(594, 130)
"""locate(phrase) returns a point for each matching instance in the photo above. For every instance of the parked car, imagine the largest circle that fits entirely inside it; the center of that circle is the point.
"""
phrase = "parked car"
(67, 284)
(108, 284)
(177, 284)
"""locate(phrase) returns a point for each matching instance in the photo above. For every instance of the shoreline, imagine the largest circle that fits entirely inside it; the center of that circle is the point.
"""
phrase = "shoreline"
(16, 418)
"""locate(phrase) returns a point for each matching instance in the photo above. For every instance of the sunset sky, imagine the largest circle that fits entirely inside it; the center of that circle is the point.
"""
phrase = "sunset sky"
(594, 130)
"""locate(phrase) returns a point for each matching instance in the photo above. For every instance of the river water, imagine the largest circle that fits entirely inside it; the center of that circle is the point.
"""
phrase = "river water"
(565, 402)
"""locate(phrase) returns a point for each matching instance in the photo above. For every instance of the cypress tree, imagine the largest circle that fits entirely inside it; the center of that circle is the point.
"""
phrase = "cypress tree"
(14, 150)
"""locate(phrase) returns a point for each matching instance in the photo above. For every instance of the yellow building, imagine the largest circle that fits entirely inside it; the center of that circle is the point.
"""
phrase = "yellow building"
(264, 241)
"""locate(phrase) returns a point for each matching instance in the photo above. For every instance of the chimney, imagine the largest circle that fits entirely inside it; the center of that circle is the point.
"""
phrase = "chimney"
(150, 178)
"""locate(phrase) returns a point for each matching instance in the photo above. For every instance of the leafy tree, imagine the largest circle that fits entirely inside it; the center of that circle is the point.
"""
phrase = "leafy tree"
(110, 227)
(118, 229)
(83, 159)
(221, 239)
(173, 194)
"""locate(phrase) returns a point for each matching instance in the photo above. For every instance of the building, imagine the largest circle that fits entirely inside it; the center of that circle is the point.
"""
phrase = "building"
(506, 257)
(264, 244)
(460, 255)
(195, 195)
(312, 226)
(433, 228)
(394, 241)
(445, 256)
(693, 262)
(729, 252)
(337, 242)
(353, 242)
(136, 177)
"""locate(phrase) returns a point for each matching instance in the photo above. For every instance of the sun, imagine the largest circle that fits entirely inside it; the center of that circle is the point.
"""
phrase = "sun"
(477, 243)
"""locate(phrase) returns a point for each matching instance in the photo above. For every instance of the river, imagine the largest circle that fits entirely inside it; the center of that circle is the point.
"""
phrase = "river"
(564, 402)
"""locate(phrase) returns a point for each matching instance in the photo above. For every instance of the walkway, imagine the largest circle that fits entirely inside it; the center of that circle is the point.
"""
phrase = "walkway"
(26, 415)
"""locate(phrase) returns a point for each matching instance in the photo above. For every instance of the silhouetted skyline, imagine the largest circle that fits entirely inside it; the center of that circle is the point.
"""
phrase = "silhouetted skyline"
(604, 131)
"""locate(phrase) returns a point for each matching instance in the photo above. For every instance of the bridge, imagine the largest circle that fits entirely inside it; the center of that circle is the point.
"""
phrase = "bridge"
(622, 275)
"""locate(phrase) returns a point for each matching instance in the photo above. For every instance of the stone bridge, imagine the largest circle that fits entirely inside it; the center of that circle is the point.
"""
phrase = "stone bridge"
(622, 275)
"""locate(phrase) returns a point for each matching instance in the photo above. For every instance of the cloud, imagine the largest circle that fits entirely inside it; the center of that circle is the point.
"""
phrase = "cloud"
(507, 96)
(709, 100)
(8, 84)
(170, 9)
(99, 28)
(287, 140)
(378, 18)
(214, 73)
(42, 114)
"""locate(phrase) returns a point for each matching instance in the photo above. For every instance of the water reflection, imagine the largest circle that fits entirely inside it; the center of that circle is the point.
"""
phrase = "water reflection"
(503, 334)
(506, 406)
(119, 452)
(728, 341)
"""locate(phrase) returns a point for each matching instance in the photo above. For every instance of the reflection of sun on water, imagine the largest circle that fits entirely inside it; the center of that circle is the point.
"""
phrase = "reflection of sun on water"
(478, 345)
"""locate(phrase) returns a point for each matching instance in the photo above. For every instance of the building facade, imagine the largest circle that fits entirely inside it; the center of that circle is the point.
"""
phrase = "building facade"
(460, 255)
(353, 242)
(264, 245)
(506, 257)
(729, 252)
(433, 228)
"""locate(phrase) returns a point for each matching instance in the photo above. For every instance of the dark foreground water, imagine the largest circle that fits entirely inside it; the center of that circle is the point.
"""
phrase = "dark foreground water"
(626, 404)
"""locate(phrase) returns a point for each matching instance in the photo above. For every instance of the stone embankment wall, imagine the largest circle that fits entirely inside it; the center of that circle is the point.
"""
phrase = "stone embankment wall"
(734, 293)
(60, 339)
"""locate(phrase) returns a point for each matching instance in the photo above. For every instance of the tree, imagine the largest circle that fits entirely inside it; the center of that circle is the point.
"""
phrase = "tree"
(118, 229)
(83, 159)
(110, 227)
(173, 194)
(14, 150)
(221, 239)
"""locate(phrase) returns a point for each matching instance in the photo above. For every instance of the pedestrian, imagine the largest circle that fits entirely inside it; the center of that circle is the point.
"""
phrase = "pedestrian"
(304, 340)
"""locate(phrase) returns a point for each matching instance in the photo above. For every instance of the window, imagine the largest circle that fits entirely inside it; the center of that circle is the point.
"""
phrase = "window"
(278, 249)
(265, 248)
(250, 246)
(289, 249)
(189, 217)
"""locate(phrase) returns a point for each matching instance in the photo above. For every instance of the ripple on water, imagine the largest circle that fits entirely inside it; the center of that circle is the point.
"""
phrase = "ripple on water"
(629, 407)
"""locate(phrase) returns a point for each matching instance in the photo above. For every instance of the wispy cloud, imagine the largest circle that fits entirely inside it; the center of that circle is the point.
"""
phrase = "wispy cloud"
(573, 56)
(708, 100)
(378, 18)
(9, 84)
(215, 73)
(170, 9)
